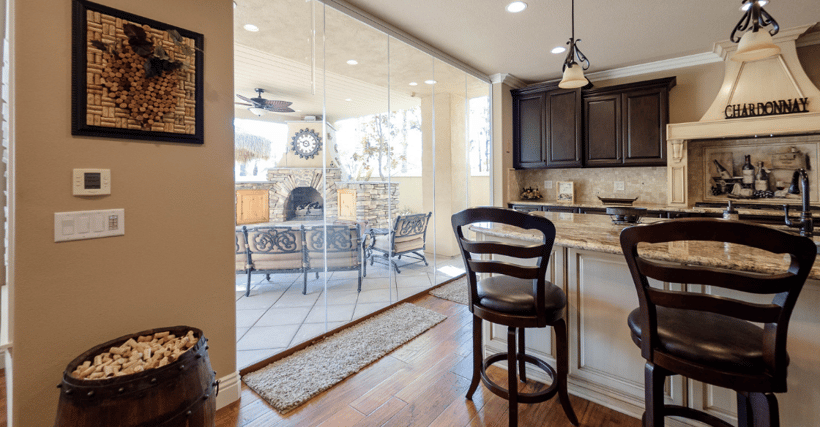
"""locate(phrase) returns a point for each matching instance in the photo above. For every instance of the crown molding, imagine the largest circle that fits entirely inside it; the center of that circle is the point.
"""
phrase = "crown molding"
(508, 79)
(653, 67)
(719, 53)
(809, 39)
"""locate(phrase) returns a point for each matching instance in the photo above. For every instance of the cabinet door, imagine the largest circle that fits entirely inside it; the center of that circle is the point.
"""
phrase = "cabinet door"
(563, 128)
(528, 131)
(602, 130)
(645, 114)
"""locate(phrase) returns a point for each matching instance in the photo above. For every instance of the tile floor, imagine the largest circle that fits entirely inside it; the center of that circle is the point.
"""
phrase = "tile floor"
(276, 316)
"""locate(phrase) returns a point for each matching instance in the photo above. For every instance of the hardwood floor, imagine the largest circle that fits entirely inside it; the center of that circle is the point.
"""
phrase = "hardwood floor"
(422, 383)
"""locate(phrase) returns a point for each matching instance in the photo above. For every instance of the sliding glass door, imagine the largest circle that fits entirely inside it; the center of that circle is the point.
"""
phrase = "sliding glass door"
(384, 143)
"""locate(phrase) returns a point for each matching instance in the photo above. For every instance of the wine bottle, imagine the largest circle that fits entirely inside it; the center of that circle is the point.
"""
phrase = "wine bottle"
(761, 179)
(724, 174)
(748, 173)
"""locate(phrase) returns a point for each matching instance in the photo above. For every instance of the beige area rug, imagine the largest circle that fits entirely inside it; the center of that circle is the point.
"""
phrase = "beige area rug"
(289, 382)
(454, 291)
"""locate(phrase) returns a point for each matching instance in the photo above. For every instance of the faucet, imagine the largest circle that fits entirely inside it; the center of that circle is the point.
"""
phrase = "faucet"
(806, 223)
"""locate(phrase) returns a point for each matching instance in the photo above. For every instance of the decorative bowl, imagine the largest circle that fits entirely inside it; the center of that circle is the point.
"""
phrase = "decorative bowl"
(625, 214)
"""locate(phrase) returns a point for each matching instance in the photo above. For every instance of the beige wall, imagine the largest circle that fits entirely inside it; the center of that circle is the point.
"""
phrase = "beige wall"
(174, 264)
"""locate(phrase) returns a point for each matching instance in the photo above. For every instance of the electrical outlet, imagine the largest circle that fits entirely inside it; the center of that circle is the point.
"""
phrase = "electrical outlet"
(547, 184)
(619, 186)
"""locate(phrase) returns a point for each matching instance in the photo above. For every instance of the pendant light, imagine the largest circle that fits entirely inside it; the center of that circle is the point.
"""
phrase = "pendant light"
(755, 44)
(573, 72)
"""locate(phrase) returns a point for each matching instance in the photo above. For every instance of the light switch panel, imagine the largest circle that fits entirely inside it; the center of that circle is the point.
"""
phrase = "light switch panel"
(91, 182)
(88, 224)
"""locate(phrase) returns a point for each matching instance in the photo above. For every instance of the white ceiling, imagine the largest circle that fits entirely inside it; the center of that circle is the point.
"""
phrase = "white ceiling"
(280, 57)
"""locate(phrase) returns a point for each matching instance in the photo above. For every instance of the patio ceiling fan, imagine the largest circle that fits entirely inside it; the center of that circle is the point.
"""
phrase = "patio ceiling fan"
(259, 105)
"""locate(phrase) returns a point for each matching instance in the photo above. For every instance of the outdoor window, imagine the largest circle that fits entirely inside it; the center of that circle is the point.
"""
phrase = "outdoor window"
(381, 145)
(259, 145)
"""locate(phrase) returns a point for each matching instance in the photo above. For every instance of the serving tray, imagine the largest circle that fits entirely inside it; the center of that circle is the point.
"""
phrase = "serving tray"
(617, 201)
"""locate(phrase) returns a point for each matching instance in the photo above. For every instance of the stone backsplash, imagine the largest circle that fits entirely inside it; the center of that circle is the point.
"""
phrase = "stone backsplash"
(648, 184)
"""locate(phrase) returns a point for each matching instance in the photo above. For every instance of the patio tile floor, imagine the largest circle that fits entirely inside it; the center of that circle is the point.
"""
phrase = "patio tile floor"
(277, 316)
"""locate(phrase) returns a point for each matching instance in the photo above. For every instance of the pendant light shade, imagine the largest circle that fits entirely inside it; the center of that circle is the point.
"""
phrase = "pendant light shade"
(757, 42)
(573, 71)
(755, 45)
(573, 78)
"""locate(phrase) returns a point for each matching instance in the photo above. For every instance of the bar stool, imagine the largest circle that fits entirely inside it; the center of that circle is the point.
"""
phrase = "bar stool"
(712, 339)
(518, 297)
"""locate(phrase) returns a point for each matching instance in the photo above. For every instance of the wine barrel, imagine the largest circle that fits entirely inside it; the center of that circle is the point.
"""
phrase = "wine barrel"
(176, 395)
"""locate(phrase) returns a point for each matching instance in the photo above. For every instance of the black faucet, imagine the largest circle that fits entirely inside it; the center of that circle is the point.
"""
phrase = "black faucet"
(806, 223)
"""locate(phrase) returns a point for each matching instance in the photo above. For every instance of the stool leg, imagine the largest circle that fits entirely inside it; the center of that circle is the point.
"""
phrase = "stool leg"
(562, 362)
(654, 379)
(744, 411)
(522, 371)
(512, 382)
(765, 411)
(477, 359)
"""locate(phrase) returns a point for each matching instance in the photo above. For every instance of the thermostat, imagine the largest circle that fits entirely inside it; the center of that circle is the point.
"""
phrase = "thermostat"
(92, 182)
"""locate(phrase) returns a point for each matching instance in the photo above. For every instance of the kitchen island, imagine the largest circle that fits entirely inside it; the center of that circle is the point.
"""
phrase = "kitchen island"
(605, 365)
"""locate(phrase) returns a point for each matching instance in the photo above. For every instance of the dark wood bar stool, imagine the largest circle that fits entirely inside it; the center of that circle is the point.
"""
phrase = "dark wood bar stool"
(518, 297)
(715, 339)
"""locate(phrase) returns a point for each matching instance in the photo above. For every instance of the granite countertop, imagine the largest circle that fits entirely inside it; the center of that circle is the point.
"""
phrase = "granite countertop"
(598, 233)
(793, 212)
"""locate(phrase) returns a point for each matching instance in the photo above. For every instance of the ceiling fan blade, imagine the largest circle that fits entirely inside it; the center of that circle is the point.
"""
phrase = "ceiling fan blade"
(282, 110)
(243, 104)
(245, 99)
(278, 104)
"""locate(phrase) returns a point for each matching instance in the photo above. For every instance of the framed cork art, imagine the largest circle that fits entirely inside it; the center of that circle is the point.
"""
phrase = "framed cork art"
(135, 78)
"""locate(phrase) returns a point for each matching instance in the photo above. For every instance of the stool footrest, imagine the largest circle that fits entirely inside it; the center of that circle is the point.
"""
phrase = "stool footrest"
(541, 396)
(692, 414)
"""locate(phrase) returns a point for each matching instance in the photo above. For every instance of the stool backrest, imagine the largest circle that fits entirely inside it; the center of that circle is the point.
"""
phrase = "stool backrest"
(784, 286)
(539, 252)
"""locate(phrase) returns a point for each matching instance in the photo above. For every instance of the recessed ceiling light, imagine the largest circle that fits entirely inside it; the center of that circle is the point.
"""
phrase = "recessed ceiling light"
(559, 49)
(252, 28)
(745, 6)
(413, 84)
(516, 6)
(352, 61)
(430, 82)
(234, 5)
(348, 99)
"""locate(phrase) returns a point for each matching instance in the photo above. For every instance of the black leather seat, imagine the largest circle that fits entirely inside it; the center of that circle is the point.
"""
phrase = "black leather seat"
(518, 296)
(709, 338)
(515, 296)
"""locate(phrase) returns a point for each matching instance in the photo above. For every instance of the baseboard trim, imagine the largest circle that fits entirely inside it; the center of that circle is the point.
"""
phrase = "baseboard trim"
(229, 390)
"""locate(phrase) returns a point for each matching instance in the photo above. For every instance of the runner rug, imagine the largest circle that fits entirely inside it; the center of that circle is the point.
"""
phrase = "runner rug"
(454, 291)
(293, 380)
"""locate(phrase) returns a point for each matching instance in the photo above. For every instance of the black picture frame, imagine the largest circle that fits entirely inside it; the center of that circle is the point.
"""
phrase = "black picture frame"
(81, 92)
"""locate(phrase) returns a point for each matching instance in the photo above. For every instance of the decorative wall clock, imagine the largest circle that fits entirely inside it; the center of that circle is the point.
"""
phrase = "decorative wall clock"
(306, 143)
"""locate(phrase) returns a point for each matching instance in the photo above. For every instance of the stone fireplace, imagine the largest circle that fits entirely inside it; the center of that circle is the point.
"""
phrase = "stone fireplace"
(299, 194)
(303, 194)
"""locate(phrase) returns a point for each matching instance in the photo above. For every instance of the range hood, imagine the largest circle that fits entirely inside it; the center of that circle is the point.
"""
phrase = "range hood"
(750, 90)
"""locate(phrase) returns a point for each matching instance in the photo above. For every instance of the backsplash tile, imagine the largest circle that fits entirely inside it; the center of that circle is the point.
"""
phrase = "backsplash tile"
(648, 184)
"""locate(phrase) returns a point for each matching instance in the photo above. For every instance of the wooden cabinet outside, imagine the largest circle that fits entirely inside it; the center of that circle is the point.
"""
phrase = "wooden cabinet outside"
(252, 207)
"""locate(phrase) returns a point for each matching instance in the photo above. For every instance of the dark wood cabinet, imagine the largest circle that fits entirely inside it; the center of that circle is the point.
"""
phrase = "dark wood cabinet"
(528, 130)
(547, 127)
(602, 125)
(625, 125)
